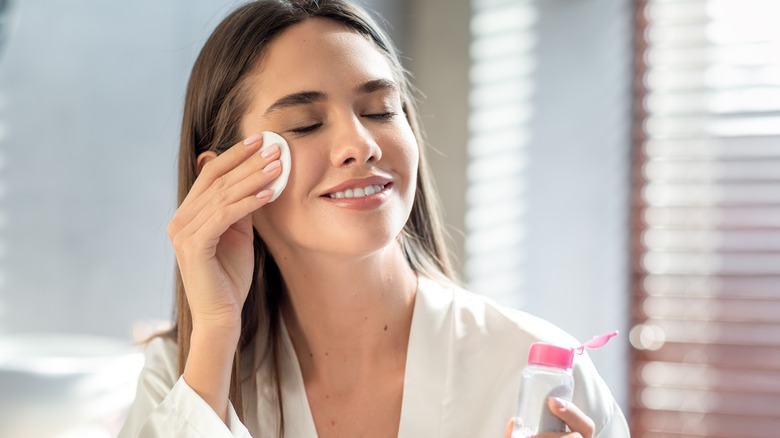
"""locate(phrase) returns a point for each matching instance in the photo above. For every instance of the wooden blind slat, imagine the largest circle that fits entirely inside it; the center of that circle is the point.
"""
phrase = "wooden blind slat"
(749, 357)
(721, 148)
(707, 217)
(730, 310)
(752, 287)
(702, 239)
(720, 102)
(693, 126)
(707, 78)
(718, 332)
(693, 170)
(701, 56)
(710, 402)
(674, 194)
(704, 377)
(675, 424)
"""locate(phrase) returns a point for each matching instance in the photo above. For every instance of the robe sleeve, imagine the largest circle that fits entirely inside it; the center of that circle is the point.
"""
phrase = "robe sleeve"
(615, 425)
(165, 406)
(593, 396)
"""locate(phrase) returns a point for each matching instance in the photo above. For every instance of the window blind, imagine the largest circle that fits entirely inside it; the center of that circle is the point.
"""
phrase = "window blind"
(706, 220)
(503, 63)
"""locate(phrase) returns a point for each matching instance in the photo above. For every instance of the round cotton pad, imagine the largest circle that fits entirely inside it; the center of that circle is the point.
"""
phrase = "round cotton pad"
(279, 183)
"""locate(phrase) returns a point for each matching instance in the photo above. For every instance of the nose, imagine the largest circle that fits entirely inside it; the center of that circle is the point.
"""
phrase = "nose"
(354, 144)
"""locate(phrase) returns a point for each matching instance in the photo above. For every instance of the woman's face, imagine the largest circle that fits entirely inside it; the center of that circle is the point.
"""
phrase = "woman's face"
(333, 96)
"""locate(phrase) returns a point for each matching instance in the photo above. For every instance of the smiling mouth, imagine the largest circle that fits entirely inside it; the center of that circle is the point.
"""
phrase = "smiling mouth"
(358, 192)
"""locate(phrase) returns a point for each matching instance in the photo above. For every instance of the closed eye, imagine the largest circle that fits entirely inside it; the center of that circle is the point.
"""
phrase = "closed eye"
(382, 116)
(306, 129)
(309, 128)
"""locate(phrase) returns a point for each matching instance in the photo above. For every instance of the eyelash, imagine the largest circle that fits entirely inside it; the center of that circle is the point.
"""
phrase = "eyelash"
(306, 129)
(382, 116)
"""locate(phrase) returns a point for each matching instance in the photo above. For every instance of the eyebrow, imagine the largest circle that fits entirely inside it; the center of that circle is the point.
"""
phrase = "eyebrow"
(377, 85)
(309, 97)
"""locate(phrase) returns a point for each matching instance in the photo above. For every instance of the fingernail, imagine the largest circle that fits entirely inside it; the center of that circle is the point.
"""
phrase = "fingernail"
(559, 402)
(270, 150)
(253, 138)
(267, 193)
(273, 165)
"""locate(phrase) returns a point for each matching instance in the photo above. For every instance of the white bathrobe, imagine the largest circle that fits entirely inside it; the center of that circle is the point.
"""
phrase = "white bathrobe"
(463, 372)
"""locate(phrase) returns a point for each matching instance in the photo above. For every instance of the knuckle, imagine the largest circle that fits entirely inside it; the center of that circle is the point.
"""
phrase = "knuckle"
(173, 228)
(178, 243)
(171, 231)
(219, 183)
(178, 247)
(221, 214)
(219, 198)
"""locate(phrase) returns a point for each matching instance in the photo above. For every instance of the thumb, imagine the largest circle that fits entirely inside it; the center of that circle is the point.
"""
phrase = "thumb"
(509, 427)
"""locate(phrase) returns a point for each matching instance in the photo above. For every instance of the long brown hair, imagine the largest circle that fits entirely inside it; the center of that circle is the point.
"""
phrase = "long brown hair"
(214, 106)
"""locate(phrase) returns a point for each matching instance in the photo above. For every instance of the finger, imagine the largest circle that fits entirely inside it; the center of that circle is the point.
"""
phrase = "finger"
(250, 176)
(251, 166)
(572, 415)
(225, 162)
(238, 184)
(224, 210)
(202, 237)
(226, 217)
(558, 435)
(509, 427)
(217, 196)
(255, 164)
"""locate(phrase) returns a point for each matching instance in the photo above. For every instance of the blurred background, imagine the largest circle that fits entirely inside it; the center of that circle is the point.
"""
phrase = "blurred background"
(604, 164)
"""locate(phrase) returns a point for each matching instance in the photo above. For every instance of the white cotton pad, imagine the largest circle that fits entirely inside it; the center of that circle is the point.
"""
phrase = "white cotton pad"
(279, 183)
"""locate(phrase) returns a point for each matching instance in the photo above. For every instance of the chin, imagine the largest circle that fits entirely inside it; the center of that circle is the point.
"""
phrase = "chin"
(361, 244)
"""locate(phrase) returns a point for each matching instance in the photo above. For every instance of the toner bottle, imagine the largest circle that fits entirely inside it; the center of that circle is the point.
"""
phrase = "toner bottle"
(548, 374)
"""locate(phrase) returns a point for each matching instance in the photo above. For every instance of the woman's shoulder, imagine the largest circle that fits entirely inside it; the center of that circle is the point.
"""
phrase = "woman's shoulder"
(478, 316)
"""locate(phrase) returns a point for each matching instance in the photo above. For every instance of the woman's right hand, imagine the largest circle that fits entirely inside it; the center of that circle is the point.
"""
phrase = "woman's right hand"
(212, 233)
(581, 425)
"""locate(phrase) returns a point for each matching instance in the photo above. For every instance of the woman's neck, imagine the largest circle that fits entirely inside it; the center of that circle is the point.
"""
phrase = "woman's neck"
(349, 320)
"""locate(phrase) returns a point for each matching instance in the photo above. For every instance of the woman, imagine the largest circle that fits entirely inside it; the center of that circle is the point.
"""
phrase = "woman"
(329, 312)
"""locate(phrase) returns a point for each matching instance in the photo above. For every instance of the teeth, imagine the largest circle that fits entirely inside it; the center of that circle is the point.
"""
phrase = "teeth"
(358, 192)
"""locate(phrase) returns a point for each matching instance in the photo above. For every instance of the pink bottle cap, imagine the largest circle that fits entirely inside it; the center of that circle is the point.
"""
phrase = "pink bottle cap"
(562, 357)
(551, 356)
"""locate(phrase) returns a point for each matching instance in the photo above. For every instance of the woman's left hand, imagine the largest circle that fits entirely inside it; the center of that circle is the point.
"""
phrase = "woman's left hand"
(580, 424)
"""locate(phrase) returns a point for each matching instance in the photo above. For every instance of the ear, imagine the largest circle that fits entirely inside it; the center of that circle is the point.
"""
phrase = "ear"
(204, 158)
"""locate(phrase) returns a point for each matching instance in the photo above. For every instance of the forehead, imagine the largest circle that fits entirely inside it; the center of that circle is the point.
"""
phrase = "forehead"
(318, 55)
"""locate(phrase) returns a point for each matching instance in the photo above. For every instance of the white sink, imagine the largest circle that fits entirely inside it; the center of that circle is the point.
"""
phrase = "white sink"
(58, 385)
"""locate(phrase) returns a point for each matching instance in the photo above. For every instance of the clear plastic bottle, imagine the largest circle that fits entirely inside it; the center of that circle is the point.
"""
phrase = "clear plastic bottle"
(548, 374)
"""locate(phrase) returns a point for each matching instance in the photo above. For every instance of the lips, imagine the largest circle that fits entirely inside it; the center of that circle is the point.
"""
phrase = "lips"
(358, 187)
(358, 192)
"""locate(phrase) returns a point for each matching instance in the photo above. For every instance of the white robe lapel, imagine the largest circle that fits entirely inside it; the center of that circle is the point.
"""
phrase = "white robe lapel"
(428, 362)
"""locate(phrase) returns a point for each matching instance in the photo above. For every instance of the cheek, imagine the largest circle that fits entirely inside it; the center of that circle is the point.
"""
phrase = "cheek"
(304, 171)
(308, 166)
(413, 155)
(408, 150)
